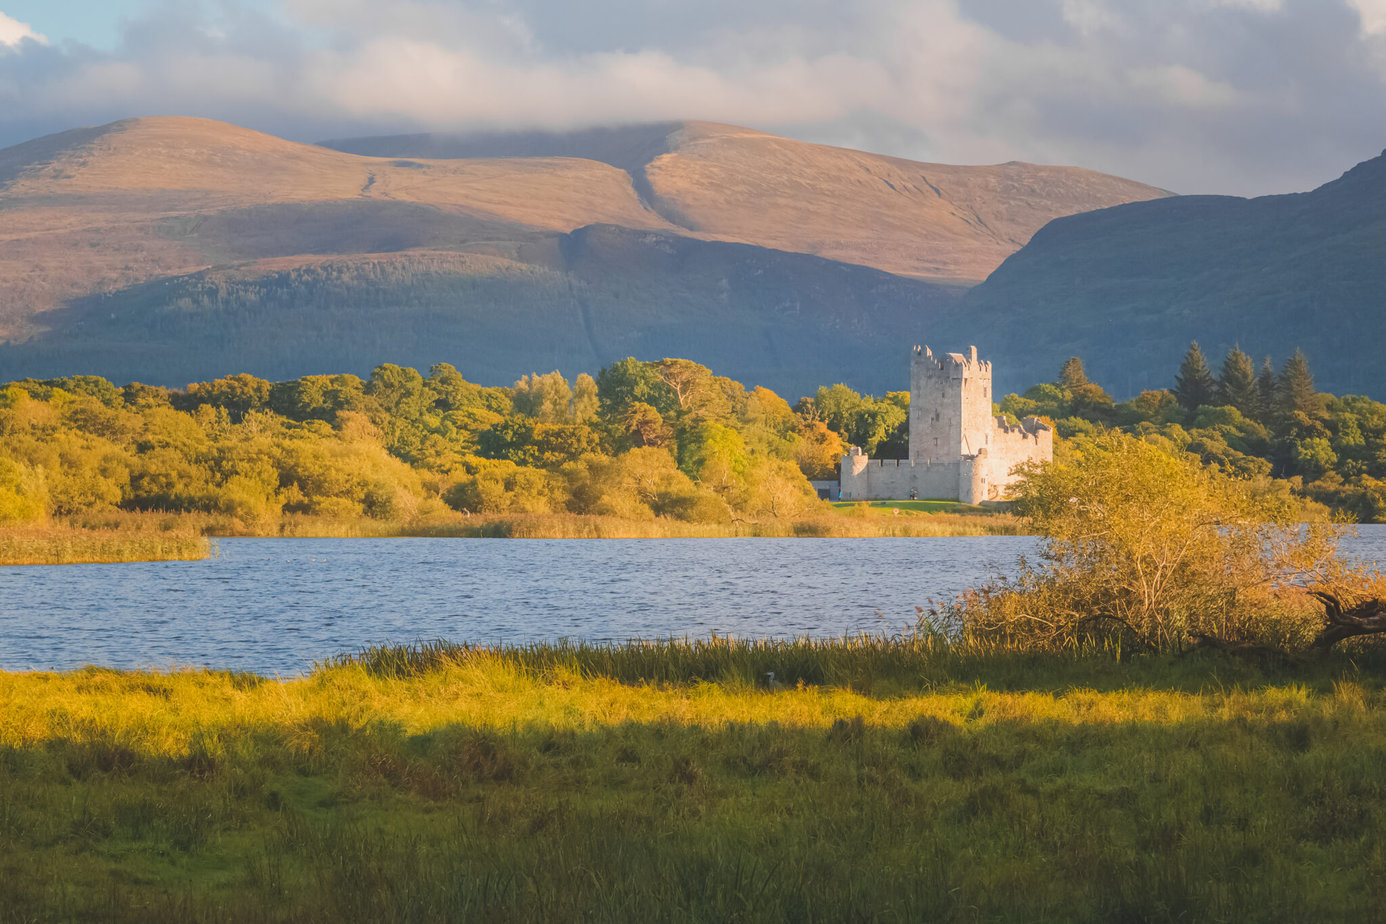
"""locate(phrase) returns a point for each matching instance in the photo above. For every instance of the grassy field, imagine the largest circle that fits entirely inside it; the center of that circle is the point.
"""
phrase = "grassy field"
(880, 780)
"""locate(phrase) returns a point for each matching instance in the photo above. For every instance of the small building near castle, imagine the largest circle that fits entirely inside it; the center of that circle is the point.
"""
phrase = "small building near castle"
(958, 449)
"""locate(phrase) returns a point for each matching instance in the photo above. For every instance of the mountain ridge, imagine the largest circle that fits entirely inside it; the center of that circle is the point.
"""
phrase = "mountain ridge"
(126, 228)
(1267, 274)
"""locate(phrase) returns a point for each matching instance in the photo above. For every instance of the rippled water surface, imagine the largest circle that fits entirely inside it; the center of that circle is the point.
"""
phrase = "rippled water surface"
(275, 606)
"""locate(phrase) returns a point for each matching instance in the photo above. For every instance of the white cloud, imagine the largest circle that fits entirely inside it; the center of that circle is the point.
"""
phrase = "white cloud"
(12, 32)
(1195, 95)
(1372, 14)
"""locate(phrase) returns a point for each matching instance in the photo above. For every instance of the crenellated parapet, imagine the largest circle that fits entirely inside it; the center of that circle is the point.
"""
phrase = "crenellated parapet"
(952, 365)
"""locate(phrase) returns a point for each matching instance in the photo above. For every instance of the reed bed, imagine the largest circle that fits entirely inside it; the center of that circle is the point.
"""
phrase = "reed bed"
(852, 522)
(881, 779)
(831, 526)
(65, 545)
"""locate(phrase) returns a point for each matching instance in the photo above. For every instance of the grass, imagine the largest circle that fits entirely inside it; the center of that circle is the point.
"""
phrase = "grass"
(828, 522)
(70, 545)
(885, 780)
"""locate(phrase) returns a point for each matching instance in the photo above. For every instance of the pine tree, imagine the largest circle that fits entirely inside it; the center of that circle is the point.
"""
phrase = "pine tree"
(1297, 394)
(1267, 392)
(1071, 374)
(1195, 384)
(1237, 384)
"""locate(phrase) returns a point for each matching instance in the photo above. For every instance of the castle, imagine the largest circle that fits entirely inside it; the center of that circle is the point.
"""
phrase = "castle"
(958, 450)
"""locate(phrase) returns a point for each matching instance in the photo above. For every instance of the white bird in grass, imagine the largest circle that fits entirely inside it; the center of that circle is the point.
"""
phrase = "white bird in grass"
(771, 682)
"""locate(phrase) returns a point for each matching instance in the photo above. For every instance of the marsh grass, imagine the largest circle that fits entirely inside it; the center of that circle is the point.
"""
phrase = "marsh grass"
(829, 523)
(69, 545)
(900, 780)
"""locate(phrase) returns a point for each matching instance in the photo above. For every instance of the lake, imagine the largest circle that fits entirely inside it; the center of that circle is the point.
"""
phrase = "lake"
(275, 606)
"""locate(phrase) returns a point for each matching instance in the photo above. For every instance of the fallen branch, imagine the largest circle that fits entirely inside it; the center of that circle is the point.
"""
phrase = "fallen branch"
(1366, 617)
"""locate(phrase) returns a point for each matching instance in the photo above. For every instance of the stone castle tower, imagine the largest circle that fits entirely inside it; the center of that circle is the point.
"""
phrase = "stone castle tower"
(958, 449)
(950, 405)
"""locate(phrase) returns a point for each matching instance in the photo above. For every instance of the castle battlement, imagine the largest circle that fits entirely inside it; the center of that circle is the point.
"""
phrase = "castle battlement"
(952, 364)
(1029, 427)
(958, 448)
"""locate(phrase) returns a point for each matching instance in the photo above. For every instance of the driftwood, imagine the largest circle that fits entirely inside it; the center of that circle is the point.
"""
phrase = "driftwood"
(1366, 617)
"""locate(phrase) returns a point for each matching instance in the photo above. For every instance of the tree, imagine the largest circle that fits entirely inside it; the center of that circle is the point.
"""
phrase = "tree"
(544, 397)
(1237, 383)
(628, 381)
(1297, 394)
(23, 495)
(1195, 384)
(585, 399)
(643, 426)
(1071, 374)
(1147, 548)
(819, 450)
(1267, 392)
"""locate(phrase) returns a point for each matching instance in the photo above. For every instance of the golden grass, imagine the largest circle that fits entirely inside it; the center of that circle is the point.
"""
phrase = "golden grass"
(829, 524)
(899, 780)
(68, 545)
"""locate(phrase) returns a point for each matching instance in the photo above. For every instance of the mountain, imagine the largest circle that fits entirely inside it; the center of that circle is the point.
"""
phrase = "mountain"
(938, 222)
(1127, 288)
(174, 249)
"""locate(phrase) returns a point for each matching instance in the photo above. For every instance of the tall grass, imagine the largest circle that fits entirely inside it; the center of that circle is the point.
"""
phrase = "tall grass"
(65, 545)
(901, 780)
(847, 523)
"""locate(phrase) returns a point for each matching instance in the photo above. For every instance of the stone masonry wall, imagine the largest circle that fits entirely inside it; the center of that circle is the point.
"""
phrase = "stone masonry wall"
(886, 479)
(957, 450)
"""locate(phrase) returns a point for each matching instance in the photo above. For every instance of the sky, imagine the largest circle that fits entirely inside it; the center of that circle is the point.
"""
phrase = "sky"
(1239, 97)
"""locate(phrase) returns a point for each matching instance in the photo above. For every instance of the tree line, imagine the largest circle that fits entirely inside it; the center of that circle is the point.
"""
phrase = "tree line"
(639, 440)
(1248, 422)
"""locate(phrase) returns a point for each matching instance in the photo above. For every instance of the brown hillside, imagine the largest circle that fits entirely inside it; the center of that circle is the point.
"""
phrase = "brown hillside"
(166, 247)
(941, 222)
(96, 210)
(945, 223)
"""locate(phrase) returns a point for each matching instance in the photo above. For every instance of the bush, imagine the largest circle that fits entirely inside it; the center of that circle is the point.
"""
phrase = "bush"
(1147, 548)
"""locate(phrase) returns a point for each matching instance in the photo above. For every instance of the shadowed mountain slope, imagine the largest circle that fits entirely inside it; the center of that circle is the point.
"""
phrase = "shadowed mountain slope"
(172, 249)
(1127, 288)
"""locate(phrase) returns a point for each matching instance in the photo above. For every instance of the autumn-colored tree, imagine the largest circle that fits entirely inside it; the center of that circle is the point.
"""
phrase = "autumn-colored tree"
(1148, 548)
(819, 451)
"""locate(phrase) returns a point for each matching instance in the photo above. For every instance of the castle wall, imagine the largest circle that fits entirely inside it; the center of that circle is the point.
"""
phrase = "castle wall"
(893, 479)
(958, 450)
(1012, 445)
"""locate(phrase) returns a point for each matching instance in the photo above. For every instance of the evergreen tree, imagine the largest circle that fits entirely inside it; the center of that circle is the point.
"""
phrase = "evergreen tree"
(1071, 374)
(1237, 384)
(1195, 384)
(1267, 391)
(1297, 394)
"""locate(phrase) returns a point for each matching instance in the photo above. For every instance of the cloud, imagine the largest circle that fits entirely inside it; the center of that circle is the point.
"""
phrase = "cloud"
(1241, 96)
(1372, 14)
(12, 32)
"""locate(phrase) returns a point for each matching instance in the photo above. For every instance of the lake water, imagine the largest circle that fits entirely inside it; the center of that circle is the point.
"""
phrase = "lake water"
(275, 606)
